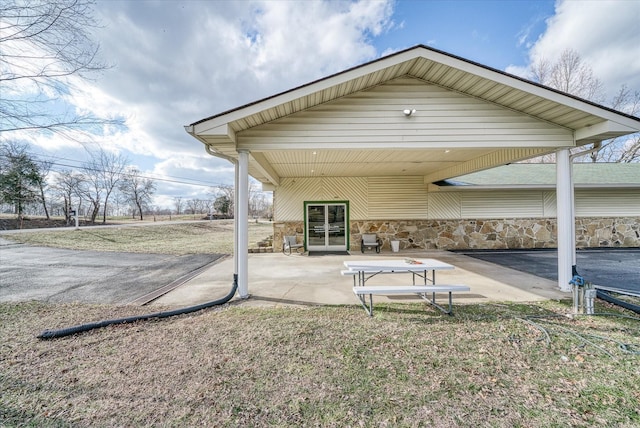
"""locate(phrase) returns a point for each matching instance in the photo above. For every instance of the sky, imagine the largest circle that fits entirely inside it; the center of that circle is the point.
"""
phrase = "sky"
(173, 62)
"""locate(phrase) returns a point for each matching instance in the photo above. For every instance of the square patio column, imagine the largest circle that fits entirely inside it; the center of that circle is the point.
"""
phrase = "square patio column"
(565, 218)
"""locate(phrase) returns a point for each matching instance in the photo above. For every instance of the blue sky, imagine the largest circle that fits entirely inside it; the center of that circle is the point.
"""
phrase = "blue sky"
(494, 33)
(175, 62)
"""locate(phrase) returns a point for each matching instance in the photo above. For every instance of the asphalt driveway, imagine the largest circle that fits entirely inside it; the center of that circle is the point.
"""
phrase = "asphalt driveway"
(607, 267)
(57, 275)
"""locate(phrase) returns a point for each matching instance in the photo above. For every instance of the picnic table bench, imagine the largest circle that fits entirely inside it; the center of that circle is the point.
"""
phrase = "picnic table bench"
(420, 290)
(364, 270)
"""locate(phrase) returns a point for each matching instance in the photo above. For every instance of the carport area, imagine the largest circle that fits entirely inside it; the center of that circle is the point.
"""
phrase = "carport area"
(607, 267)
(300, 280)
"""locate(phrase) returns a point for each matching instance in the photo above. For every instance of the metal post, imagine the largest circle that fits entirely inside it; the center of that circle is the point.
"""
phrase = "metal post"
(564, 219)
(242, 212)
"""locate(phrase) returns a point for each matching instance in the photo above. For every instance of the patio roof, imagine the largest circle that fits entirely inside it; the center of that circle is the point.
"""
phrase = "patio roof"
(272, 158)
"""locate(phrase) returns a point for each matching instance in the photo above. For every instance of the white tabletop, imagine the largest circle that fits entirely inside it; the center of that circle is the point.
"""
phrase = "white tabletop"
(399, 265)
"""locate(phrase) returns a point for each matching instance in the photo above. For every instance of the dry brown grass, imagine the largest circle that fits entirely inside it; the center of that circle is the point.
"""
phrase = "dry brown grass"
(189, 238)
(329, 366)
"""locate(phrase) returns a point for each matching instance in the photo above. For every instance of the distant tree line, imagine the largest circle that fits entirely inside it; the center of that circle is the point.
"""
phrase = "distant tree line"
(103, 185)
(221, 204)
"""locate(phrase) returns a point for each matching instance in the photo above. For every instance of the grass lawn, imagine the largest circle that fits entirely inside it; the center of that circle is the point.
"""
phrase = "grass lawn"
(497, 365)
(490, 365)
(189, 238)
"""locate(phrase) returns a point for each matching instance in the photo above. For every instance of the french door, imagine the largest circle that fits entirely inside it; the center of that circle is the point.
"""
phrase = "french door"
(326, 226)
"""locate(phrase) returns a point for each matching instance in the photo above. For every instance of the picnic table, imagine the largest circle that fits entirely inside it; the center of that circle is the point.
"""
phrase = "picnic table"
(426, 269)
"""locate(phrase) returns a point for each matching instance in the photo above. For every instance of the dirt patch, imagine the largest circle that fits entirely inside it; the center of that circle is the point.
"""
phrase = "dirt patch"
(28, 223)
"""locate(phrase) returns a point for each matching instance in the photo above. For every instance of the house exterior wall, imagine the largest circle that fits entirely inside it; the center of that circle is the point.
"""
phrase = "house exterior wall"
(374, 117)
(402, 209)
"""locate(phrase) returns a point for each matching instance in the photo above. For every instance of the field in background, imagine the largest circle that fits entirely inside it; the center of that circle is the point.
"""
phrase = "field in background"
(189, 238)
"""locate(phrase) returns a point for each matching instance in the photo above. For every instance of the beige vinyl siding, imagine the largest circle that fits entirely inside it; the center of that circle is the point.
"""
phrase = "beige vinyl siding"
(444, 205)
(397, 198)
(608, 202)
(290, 196)
(549, 203)
(405, 198)
(374, 117)
(503, 204)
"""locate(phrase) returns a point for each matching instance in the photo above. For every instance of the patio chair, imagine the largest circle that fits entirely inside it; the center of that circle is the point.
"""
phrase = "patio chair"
(370, 241)
(289, 243)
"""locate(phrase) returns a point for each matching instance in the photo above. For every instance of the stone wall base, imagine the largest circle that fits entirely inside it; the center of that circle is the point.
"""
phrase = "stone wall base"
(591, 232)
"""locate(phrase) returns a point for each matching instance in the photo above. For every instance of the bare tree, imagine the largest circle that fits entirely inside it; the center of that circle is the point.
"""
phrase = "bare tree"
(91, 190)
(104, 170)
(68, 185)
(137, 189)
(195, 206)
(178, 203)
(259, 204)
(45, 169)
(571, 75)
(46, 44)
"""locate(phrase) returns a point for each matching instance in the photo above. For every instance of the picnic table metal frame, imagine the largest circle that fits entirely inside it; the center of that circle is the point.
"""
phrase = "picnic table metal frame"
(368, 269)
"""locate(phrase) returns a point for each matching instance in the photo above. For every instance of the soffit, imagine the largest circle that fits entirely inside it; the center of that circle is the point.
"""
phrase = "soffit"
(434, 67)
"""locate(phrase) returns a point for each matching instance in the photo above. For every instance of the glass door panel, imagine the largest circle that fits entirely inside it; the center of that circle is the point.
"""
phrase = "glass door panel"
(336, 239)
(316, 221)
(326, 227)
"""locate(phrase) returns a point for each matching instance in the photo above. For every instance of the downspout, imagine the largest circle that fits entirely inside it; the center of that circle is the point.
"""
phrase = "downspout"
(234, 162)
(240, 241)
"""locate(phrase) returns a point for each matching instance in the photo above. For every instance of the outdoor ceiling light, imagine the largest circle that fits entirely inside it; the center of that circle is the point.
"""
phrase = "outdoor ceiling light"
(409, 112)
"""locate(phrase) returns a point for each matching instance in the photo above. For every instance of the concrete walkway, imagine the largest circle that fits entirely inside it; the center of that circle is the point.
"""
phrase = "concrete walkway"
(300, 280)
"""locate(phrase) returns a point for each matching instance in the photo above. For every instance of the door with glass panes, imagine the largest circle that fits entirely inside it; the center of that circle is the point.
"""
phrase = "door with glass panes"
(326, 226)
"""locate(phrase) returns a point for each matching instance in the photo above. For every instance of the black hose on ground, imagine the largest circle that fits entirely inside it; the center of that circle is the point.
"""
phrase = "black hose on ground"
(609, 298)
(53, 334)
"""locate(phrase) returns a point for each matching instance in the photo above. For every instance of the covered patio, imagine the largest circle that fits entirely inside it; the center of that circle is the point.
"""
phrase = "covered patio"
(371, 142)
(302, 281)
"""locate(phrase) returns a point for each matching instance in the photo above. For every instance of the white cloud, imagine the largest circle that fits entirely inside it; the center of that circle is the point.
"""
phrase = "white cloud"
(175, 62)
(178, 62)
(604, 33)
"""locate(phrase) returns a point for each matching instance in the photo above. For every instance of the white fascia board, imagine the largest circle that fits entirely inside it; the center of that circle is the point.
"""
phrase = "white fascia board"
(516, 83)
(223, 130)
(605, 129)
(409, 55)
(261, 163)
(309, 89)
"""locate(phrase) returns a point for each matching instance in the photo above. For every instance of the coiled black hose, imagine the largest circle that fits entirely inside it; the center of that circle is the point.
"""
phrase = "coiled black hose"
(609, 298)
(53, 334)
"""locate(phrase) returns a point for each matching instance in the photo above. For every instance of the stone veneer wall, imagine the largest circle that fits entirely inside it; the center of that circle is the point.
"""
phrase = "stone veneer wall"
(591, 232)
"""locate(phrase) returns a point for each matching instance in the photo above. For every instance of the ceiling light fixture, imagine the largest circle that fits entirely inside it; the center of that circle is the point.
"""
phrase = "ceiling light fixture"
(409, 112)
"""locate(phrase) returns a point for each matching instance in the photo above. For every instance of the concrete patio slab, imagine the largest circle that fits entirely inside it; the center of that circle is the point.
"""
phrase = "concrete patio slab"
(301, 280)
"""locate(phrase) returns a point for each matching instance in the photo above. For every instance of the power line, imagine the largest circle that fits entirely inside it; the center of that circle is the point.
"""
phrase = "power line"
(171, 179)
